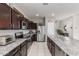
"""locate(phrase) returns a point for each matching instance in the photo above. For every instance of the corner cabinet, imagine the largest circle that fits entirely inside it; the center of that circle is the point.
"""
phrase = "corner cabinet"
(5, 16)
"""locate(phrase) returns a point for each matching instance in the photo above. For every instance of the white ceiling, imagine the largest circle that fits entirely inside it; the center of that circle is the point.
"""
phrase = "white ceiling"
(59, 9)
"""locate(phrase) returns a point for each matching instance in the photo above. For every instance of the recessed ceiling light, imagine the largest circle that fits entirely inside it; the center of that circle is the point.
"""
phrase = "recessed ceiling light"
(37, 14)
(45, 3)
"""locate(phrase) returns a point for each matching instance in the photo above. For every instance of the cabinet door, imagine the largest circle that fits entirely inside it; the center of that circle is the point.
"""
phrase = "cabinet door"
(28, 44)
(53, 50)
(30, 25)
(34, 37)
(35, 26)
(48, 43)
(51, 46)
(5, 16)
(23, 51)
(15, 20)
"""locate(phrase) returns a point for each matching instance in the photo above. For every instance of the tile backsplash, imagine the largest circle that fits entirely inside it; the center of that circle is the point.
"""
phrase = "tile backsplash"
(12, 32)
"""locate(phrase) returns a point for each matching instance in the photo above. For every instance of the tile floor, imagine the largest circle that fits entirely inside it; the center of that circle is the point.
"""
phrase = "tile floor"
(39, 49)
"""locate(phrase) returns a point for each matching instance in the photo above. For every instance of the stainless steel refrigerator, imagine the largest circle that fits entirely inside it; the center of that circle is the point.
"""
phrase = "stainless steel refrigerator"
(40, 33)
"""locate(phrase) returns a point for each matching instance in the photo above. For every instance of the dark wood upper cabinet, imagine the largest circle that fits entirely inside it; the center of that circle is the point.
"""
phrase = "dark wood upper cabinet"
(15, 20)
(5, 16)
(29, 25)
(11, 18)
(32, 25)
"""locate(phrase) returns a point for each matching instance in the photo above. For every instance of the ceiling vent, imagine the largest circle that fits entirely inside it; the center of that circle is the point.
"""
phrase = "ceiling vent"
(45, 3)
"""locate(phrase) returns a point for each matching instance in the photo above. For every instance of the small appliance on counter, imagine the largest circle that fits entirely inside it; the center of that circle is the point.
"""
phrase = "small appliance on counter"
(30, 32)
(18, 35)
(28, 35)
(4, 40)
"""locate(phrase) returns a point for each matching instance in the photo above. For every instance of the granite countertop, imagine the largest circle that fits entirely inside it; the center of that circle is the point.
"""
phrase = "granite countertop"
(7, 48)
(71, 46)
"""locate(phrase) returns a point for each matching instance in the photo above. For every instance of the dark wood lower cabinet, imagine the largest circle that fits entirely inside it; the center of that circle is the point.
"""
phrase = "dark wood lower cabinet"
(51, 46)
(17, 53)
(54, 49)
(21, 50)
(14, 52)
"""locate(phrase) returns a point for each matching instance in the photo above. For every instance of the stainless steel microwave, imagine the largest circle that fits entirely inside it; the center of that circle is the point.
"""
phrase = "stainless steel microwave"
(4, 40)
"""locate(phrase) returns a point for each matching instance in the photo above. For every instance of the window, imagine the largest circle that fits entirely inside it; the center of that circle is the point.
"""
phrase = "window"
(51, 27)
